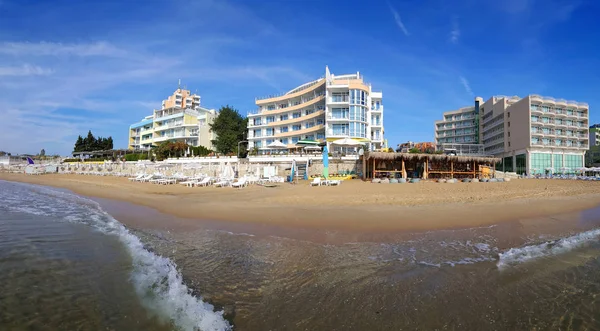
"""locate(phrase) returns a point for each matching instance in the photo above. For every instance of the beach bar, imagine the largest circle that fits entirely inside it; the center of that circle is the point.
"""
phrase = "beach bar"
(425, 166)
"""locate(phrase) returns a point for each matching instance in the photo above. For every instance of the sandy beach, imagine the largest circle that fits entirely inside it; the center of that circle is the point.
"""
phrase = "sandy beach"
(352, 206)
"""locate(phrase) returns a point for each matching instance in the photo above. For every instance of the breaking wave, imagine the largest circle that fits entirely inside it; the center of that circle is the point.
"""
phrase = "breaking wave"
(518, 255)
(156, 279)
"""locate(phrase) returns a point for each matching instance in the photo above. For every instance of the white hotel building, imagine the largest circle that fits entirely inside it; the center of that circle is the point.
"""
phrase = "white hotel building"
(325, 110)
(181, 118)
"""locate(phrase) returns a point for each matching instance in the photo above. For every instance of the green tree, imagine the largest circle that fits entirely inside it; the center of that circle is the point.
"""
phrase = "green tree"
(230, 128)
(78, 144)
(414, 150)
(89, 141)
(109, 143)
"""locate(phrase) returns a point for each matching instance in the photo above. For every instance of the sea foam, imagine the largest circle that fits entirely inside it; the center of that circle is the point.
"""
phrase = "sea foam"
(518, 255)
(156, 279)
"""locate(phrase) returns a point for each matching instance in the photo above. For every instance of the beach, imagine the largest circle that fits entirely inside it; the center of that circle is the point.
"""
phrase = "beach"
(354, 206)
(516, 255)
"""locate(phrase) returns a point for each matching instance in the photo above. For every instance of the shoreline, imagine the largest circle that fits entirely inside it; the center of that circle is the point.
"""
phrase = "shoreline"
(354, 207)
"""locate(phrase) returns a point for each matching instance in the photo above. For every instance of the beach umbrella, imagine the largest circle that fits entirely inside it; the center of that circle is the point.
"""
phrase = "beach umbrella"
(307, 142)
(277, 145)
(293, 170)
(325, 162)
(346, 142)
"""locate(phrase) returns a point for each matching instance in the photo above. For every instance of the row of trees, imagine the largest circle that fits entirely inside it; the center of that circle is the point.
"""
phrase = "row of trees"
(91, 143)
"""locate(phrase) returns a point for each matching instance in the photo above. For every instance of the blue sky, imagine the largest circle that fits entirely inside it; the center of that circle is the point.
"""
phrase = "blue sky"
(70, 66)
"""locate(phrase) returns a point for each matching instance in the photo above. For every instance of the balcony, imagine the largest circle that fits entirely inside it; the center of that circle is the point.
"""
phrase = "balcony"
(338, 99)
(292, 120)
(536, 110)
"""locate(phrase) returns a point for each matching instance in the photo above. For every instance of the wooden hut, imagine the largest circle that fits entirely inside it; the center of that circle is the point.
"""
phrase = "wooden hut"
(425, 166)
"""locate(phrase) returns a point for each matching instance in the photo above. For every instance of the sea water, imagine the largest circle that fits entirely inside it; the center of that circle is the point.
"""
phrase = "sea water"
(65, 264)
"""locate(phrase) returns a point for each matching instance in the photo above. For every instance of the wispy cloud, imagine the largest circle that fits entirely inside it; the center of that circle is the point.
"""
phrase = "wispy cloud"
(465, 84)
(57, 49)
(455, 33)
(398, 20)
(24, 70)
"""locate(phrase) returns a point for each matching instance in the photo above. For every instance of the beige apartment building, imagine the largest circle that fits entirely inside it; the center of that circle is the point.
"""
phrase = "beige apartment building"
(323, 110)
(181, 118)
(532, 135)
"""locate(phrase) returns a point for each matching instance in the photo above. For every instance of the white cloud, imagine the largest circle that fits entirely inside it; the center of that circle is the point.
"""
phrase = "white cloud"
(399, 20)
(465, 84)
(455, 33)
(24, 70)
(57, 49)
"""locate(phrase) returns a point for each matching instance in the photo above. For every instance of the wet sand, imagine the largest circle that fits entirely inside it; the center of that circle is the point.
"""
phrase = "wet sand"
(354, 206)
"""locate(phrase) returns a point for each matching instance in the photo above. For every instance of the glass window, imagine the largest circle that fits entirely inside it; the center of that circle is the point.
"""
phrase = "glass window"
(296, 114)
(296, 127)
(284, 129)
(270, 119)
(339, 113)
(283, 117)
(295, 140)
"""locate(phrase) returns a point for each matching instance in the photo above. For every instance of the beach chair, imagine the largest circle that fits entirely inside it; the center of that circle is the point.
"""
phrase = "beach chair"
(316, 182)
(135, 179)
(333, 182)
(222, 183)
(240, 183)
(204, 182)
(145, 178)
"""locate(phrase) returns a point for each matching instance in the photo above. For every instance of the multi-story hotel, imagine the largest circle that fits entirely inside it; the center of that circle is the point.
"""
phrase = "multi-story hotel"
(532, 134)
(181, 118)
(458, 127)
(592, 156)
(327, 109)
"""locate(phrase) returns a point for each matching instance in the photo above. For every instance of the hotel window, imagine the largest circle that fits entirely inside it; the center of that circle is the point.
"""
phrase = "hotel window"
(271, 107)
(320, 136)
(284, 141)
(309, 111)
(257, 133)
(295, 140)
(270, 131)
(339, 97)
(296, 115)
(508, 114)
(320, 122)
(310, 137)
(284, 129)
(296, 127)
(310, 124)
(339, 113)
(569, 112)
(270, 119)
(339, 129)
(258, 144)
(535, 107)
(269, 141)
(283, 105)
(283, 117)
